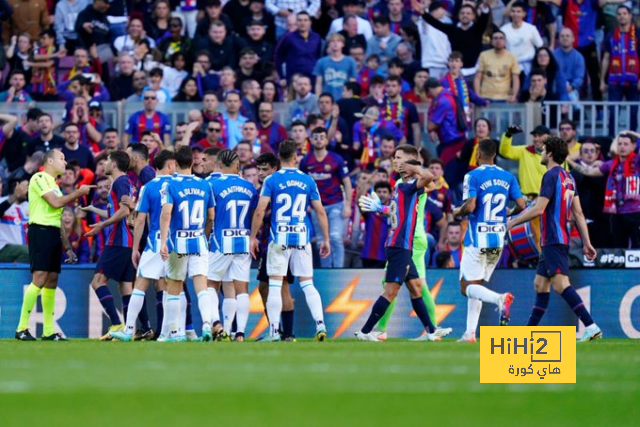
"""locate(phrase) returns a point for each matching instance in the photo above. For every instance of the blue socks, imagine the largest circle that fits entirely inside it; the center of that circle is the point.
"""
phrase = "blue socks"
(575, 302)
(421, 311)
(539, 308)
(189, 321)
(287, 323)
(378, 310)
(106, 299)
(125, 305)
(143, 316)
(159, 310)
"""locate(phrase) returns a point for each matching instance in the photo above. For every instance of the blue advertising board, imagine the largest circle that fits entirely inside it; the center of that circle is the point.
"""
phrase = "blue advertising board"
(613, 296)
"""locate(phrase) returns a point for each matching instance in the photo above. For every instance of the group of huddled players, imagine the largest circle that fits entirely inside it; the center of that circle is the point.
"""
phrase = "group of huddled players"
(208, 230)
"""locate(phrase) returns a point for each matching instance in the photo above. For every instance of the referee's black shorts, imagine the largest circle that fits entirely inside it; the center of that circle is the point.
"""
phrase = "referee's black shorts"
(45, 248)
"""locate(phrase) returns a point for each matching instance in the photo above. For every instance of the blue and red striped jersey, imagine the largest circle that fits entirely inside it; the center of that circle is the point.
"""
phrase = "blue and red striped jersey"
(120, 234)
(560, 188)
(406, 199)
(376, 231)
(328, 174)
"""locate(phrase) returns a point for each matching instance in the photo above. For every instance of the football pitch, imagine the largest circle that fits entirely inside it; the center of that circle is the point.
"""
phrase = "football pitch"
(341, 382)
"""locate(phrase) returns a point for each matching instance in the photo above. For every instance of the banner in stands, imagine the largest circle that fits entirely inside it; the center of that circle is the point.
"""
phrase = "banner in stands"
(613, 296)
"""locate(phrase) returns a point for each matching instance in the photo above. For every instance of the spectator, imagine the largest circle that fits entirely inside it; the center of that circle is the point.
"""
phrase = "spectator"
(213, 138)
(350, 33)
(188, 14)
(444, 259)
(46, 140)
(43, 77)
(68, 184)
(522, 38)
(259, 14)
(26, 171)
(481, 130)
(539, 14)
(592, 193)
(14, 217)
(353, 8)
(30, 17)
(339, 131)
(208, 80)
(333, 71)
(64, 23)
(82, 65)
(251, 92)
(257, 41)
(270, 132)
(441, 195)
(329, 172)
(418, 94)
(99, 204)
(236, 10)
(250, 172)
(16, 92)
(228, 81)
(111, 141)
(175, 42)
(397, 16)
(156, 23)
(87, 126)
(405, 55)
(530, 168)
(147, 119)
(571, 63)
(403, 114)
(250, 135)
(456, 83)
(188, 91)
(568, 133)
(153, 143)
(556, 81)
(435, 43)
(223, 46)
(96, 113)
(299, 50)
(248, 66)
(213, 12)
(135, 33)
(466, 37)
(79, 244)
(538, 88)
(232, 120)
(18, 53)
(349, 104)
(281, 9)
(622, 192)
(387, 149)
(453, 244)
(376, 230)
(582, 17)
(245, 154)
(210, 109)
(122, 85)
(367, 134)
(155, 83)
(498, 74)
(396, 68)
(73, 150)
(139, 82)
(94, 30)
(305, 103)
(376, 92)
(270, 91)
(620, 61)
(384, 42)
(447, 122)
(364, 73)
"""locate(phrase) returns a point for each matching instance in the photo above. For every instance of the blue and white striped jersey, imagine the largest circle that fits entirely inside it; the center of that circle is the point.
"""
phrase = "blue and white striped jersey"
(150, 203)
(492, 187)
(291, 192)
(235, 200)
(191, 198)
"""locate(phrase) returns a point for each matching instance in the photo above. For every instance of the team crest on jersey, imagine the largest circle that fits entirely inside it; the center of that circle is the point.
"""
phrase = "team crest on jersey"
(327, 168)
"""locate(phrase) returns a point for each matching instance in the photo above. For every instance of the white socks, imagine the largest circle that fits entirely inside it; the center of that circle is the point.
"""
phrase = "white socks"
(165, 327)
(229, 306)
(215, 305)
(274, 305)
(204, 305)
(242, 314)
(474, 307)
(183, 314)
(172, 313)
(135, 305)
(483, 294)
(314, 301)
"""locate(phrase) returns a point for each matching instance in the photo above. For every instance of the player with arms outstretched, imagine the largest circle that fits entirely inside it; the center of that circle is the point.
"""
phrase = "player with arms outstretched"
(186, 199)
(558, 200)
(400, 265)
(290, 192)
(230, 260)
(486, 193)
(150, 264)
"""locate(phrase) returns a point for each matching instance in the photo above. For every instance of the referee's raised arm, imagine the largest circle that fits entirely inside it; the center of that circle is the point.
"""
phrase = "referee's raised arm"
(46, 203)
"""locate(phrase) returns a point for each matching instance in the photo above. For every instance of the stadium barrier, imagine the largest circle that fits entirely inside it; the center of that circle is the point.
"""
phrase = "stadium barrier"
(613, 297)
(591, 117)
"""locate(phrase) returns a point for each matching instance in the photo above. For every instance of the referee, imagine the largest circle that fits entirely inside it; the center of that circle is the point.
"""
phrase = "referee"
(46, 236)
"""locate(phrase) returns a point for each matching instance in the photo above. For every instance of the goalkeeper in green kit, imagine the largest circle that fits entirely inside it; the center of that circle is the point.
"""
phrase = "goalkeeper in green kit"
(420, 247)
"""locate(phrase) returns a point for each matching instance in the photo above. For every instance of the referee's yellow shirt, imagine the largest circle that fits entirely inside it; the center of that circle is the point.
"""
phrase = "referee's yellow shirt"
(41, 212)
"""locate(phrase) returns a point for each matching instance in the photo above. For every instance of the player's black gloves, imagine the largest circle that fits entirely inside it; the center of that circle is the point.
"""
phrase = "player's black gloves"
(512, 130)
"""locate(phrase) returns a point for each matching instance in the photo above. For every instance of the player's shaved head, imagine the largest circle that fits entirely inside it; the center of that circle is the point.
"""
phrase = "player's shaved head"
(184, 157)
(50, 155)
(487, 148)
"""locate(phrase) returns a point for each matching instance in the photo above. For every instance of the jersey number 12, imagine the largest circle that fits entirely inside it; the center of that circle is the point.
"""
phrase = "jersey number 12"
(493, 205)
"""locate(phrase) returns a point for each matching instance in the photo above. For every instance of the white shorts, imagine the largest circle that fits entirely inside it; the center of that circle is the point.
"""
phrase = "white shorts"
(279, 257)
(151, 266)
(478, 264)
(229, 267)
(178, 266)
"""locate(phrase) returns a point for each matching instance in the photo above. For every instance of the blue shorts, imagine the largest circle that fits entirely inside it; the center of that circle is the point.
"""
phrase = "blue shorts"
(553, 260)
(115, 263)
(400, 265)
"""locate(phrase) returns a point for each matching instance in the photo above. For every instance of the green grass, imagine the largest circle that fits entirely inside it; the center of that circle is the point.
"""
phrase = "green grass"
(302, 384)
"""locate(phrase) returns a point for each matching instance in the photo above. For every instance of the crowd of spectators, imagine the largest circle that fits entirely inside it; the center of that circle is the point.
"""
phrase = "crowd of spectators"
(351, 74)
